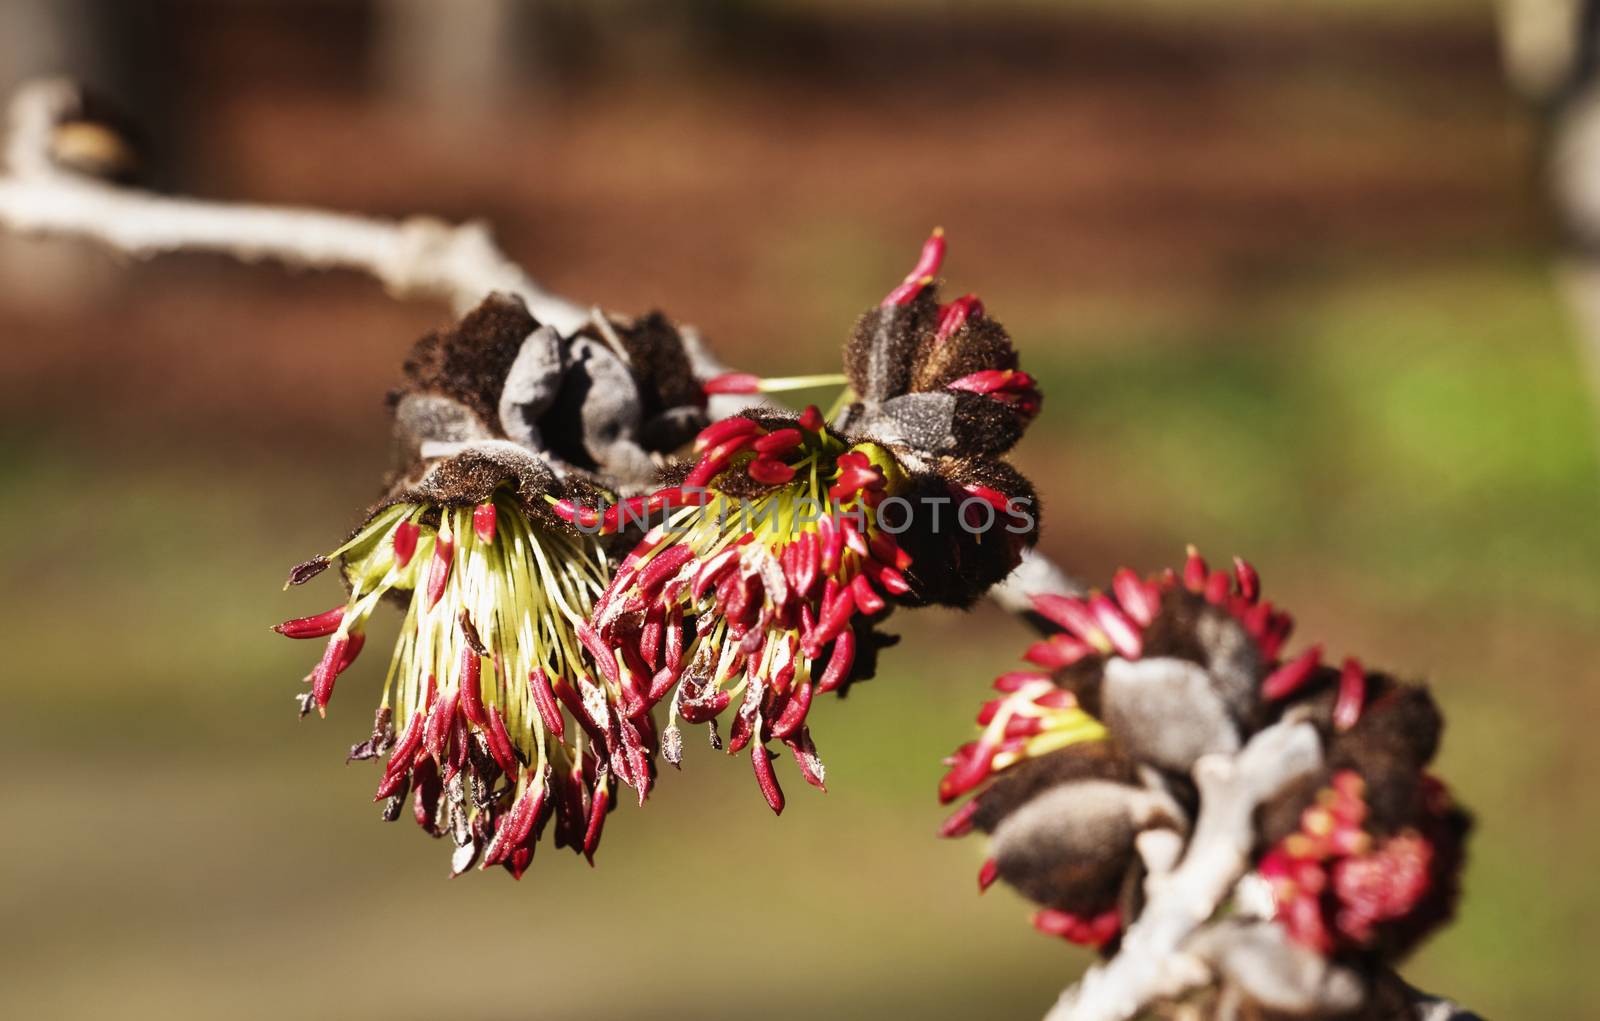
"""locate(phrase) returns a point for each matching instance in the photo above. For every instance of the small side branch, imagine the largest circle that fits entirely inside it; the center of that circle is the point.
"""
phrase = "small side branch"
(1152, 963)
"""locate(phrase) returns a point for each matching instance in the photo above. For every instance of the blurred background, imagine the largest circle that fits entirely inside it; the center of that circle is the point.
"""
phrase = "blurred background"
(1291, 277)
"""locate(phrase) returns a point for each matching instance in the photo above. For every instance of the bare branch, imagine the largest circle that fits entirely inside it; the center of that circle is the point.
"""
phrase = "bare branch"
(416, 257)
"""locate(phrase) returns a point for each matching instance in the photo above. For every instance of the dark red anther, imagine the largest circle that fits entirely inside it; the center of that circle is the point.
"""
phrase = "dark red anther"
(597, 816)
(806, 562)
(469, 685)
(866, 597)
(988, 711)
(705, 709)
(358, 641)
(393, 785)
(835, 618)
(811, 419)
(441, 720)
(987, 874)
(1057, 651)
(1352, 695)
(660, 684)
(733, 383)
(761, 762)
(713, 461)
(505, 754)
(1217, 584)
(1125, 637)
(885, 550)
(544, 703)
(839, 664)
(320, 625)
(327, 671)
(405, 542)
(968, 772)
(425, 806)
(1014, 680)
(651, 634)
(805, 757)
(856, 472)
(1139, 598)
(922, 274)
(769, 471)
(1024, 726)
(854, 541)
(460, 736)
(1194, 571)
(954, 316)
(794, 713)
(1069, 612)
(439, 569)
(405, 749)
(830, 539)
(712, 571)
(483, 522)
(1056, 698)
(1291, 676)
(659, 571)
(513, 828)
(960, 822)
(1249, 580)
(604, 658)
(779, 442)
(718, 432)
(575, 513)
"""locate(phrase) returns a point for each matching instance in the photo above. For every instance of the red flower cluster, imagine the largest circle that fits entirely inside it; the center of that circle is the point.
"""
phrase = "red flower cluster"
(755, 588)
(1089, 720)
(1338, 888)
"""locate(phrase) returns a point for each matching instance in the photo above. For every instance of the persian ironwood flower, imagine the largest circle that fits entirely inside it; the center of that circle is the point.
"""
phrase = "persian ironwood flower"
(779, 553)
(758, 589)
(494, 717)
(1074, 759)
(488, 657)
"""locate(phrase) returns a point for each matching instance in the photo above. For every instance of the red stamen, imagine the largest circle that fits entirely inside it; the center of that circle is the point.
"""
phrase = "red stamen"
(327, 671)
(761, 762)
(733, 383)
(1289, 677)
(469, 684)
(439, 569)
(960, 822)
(1141, 599)
(794, 713)
(844, 654)
(405, 542)
(718, 432)
(769, 471)
(1124, 636)
(1249, 580)
(1352, 695)
(988, 873)
(1194, 571)
(954, 316)
(483, 522)
(780, 442)
(811, 419)
(320, 625)
(922, 274)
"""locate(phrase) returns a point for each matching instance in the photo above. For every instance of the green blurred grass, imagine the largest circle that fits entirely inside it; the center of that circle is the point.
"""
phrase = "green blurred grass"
(1408, 453)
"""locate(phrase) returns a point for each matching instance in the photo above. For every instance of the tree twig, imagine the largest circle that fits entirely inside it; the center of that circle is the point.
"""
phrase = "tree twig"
(416, 257)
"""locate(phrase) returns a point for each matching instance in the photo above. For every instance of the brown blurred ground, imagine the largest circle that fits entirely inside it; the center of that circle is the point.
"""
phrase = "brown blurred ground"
(1281, 274)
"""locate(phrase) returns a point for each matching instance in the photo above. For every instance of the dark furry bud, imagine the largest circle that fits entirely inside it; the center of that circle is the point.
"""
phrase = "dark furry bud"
(1062, 827)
